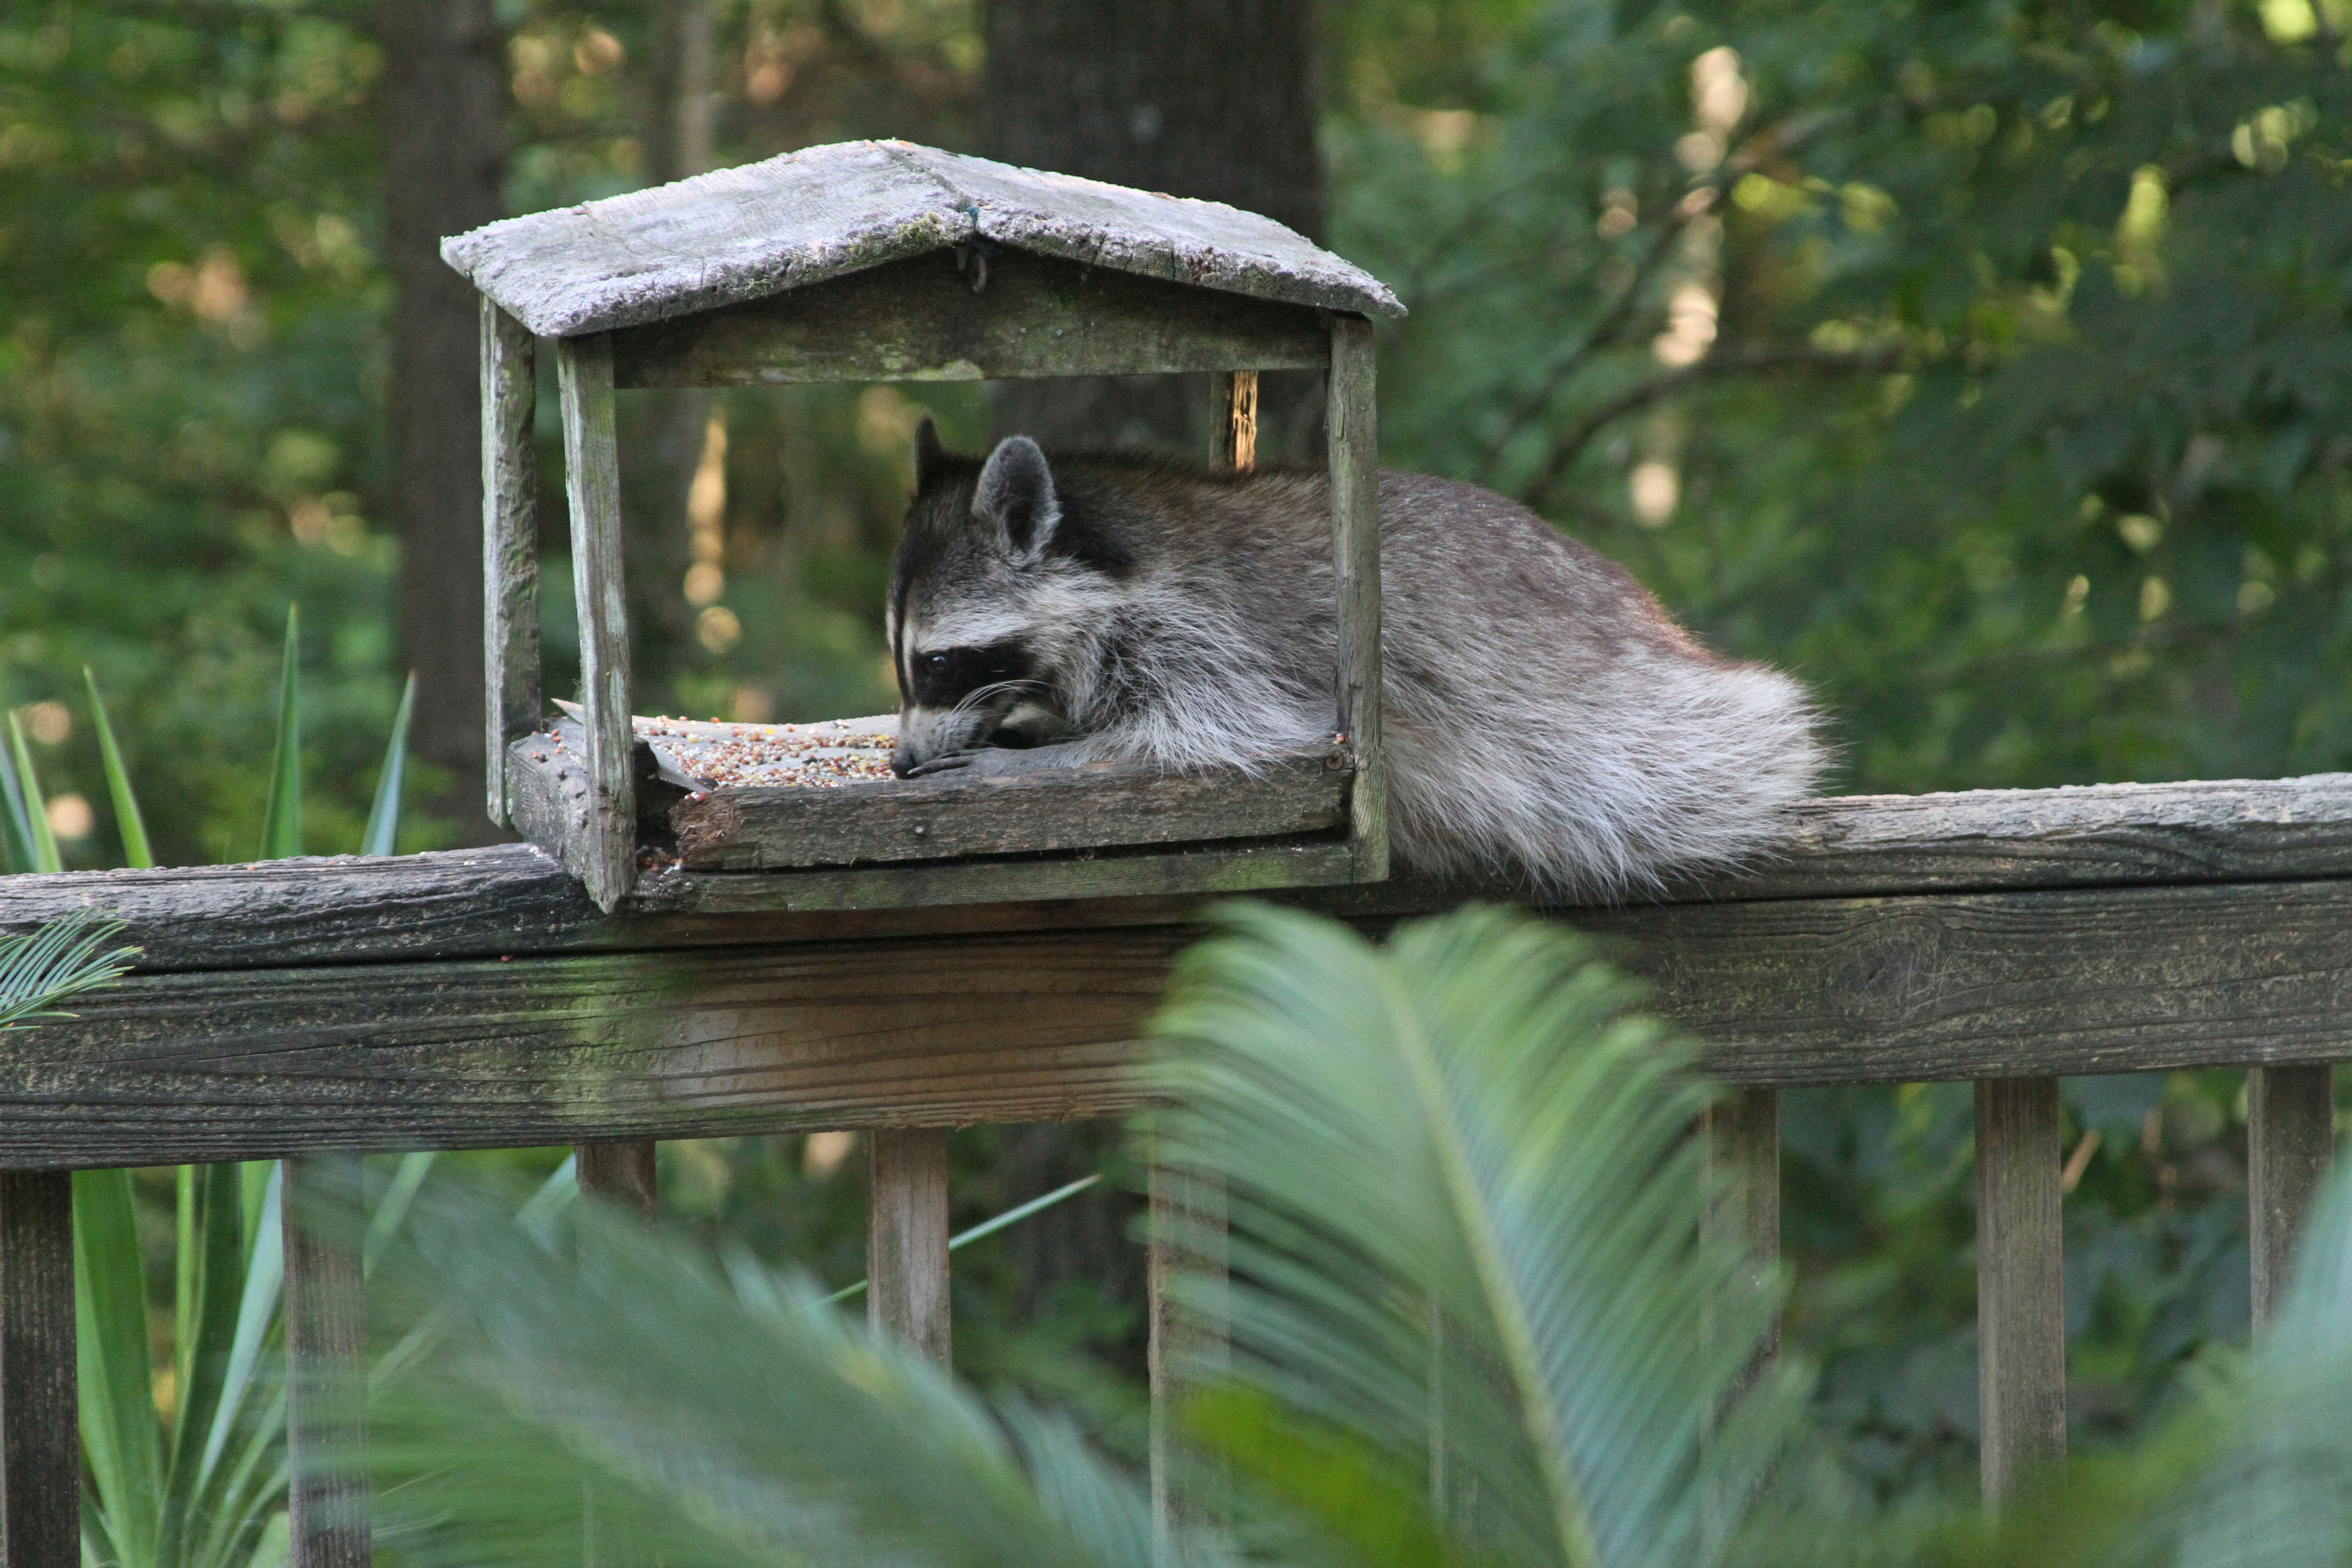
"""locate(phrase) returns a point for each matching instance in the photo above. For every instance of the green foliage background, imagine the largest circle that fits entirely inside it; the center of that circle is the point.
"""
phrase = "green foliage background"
(2021, 432)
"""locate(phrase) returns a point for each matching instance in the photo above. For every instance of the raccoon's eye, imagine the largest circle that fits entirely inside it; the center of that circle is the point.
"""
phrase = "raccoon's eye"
(936, 663)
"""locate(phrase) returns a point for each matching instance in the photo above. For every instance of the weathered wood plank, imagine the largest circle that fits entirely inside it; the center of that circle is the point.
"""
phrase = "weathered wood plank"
(41, 1431)
(2021, 1283)
(2289, 1145)
(907, 1237)
(329, 1502)
(2093, 835)
(514, 899)
(1794, 992)
(622, 1173)
(592, 479)
(700, 1042)
(1232, 420)
(1352, 434)
(922, 320)
(1100, 804)
(791, 222)
(510, 541)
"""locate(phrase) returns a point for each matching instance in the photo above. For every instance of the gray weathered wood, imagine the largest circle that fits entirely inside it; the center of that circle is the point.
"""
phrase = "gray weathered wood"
(2021, 1283)
(40, 1434)
(622, 1173)
(1355, 467)
(1186, 1346)
(907, 1237)
(2290, 1143)
(1743, 1159)
(1007, 1026)
(921, 320)
(1098, 805)
(2093, 835)
(512, 702)
(825, 212)
(593, 479)
(1233, 413)
(328, 1505)
(513, 898)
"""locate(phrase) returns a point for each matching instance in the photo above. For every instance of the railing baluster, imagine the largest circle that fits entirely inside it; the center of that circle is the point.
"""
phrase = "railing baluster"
(2290, 1142)
(1188, 1237)
(619, 1172)
(2021, 1282)
(1743, 1152)
(907, 1237)
(40, 1433)
(326, 1395)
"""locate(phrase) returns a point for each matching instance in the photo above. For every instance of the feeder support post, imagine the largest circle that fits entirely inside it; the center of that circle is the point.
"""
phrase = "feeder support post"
(1355, 470)
(512, 702)
(592, 478)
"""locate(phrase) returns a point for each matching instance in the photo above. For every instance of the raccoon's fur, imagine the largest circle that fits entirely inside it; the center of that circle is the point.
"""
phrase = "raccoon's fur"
(1545, 723)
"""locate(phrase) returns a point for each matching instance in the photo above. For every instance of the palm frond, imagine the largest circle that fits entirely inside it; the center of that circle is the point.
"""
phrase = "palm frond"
(1471, 1130)
(44, 966)
(35, 821)
(128, 821)
(383, 814)
(715, 1419)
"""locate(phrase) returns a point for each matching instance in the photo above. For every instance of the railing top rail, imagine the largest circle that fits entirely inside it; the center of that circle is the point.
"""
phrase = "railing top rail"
(513, 900)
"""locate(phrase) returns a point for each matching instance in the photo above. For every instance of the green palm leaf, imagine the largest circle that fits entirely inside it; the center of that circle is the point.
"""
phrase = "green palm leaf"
(16, 825)
(43, 967)
(281, 822)
(127, 819)
(1470, 1131)
(718, 1420)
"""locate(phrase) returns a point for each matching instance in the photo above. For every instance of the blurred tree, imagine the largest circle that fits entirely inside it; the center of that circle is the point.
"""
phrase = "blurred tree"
(1213, 98)
(444, 107)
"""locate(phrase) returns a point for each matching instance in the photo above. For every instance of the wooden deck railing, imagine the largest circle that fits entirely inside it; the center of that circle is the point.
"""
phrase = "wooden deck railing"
(478, 999)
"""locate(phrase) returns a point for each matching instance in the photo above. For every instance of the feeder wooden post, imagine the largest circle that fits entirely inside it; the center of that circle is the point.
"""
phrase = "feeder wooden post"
(510, 544)
(620, 1172)
(2290, 1143)
(593, 477)
(2021, 1283)
(1356, 581)
(328, 1496)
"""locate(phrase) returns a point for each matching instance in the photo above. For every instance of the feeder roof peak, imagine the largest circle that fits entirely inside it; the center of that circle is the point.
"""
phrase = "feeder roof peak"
(758, 229)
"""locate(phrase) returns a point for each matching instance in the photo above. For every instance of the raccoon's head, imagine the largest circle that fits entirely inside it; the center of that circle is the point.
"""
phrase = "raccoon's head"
(993, 593)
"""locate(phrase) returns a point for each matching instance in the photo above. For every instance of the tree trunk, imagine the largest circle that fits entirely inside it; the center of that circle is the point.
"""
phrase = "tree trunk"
(1214, 99)
(445, 163)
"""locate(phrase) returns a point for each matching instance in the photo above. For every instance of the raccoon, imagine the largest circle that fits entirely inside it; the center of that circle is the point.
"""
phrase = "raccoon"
(1545, 724)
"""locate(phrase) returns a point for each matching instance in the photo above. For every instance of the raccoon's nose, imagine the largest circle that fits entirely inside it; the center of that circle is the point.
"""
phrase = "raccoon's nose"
(902, 761)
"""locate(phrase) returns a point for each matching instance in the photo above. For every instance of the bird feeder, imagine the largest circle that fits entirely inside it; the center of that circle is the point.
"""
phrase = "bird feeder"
(881, 261)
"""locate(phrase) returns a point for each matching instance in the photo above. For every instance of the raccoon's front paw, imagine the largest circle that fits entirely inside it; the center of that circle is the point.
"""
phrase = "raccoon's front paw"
(997, 761)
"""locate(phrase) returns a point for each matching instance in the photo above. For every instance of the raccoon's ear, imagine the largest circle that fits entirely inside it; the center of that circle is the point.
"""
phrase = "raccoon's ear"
(1016, 493)
(929, 455)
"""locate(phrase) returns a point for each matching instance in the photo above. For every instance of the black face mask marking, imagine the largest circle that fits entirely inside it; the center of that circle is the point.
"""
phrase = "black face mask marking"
(945, 677)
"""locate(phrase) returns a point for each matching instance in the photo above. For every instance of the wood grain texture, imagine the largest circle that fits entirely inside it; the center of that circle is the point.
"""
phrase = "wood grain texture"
(2021, 1283)
(40, 1431)
(329, 1502)
(1232, 415)
(2093, 835)
(1793, 992)
(593, 479)
(1354, 456)
(512, 702)
(1097, 806)
(906, 1239)
(622, 1173)
(981, 1026)
(1743, 1158)
(921, 320)
(513, 898)
(789, 221)
(2289, 1145)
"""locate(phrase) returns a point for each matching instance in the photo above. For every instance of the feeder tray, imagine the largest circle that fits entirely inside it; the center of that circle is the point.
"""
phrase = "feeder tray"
(884, 261)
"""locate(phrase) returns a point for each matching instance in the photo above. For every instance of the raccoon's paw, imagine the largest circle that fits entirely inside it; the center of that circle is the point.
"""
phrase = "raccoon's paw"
(997, 761)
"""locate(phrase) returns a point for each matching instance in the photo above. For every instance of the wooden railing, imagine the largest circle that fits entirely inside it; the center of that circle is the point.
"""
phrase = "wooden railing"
(478, 999)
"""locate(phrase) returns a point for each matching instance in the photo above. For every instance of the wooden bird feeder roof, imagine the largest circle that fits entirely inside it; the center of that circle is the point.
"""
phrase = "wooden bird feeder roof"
(747, 233)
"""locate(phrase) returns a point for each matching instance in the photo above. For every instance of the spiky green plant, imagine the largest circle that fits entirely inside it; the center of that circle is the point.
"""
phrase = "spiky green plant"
(51, 963)
(128, 819)
(1472, 1322)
